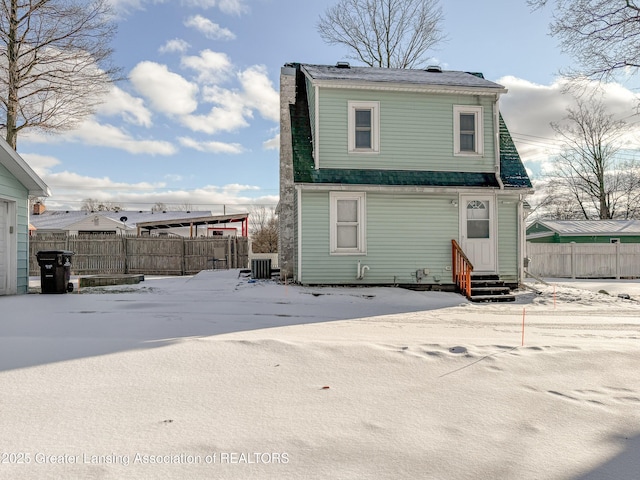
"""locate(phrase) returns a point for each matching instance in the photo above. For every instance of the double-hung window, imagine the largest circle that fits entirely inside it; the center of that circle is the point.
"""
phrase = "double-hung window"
(467, 130)
(364, 127)
(347, 217)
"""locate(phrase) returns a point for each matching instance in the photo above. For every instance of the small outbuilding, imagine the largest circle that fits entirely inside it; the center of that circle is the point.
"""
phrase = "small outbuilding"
(584, 231)
(18, 182)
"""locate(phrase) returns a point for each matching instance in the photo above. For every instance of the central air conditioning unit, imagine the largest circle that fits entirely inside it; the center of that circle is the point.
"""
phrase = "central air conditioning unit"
(261, 268)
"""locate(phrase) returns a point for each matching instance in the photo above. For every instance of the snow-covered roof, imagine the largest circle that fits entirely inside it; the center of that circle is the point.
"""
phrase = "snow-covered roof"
(62, 219)
(426, 78)
(592, 227)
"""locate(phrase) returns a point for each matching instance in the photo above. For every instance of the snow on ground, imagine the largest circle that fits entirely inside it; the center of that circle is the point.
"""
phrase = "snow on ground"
(214, 376)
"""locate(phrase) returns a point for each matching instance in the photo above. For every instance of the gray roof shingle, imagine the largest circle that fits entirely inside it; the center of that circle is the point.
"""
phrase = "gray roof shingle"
(399, 76)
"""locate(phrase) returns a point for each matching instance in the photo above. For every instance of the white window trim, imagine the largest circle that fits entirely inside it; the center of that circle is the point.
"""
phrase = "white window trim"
(479, 146)
(375, 126)
(362, 222)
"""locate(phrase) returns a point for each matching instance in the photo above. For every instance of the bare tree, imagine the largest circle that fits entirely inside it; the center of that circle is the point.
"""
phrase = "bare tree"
(159, 207)
(557, 202)
(95, 205)
(263, 228)
(587, 172)
(602, 35)
(54, 62)
(384, 33)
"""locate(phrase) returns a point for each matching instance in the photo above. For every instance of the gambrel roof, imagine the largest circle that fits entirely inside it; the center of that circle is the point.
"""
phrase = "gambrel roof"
(512, 171)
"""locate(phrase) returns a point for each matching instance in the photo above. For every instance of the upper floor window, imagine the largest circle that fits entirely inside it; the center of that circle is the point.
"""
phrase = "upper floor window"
(467, 130)
(364, 127)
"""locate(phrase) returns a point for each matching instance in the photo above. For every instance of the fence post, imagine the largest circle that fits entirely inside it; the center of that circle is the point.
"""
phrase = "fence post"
(124, 254)
(184, 257)
(573, 259)
(617, 261)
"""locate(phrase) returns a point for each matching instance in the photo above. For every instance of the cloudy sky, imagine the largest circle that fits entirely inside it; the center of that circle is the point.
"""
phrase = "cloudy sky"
(196, 120)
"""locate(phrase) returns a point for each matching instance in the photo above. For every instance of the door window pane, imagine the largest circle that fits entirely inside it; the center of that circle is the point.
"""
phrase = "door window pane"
(478, 219)
(477, 228)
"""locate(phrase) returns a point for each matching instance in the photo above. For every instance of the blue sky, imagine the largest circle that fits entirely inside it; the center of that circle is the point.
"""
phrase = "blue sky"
(196, 120)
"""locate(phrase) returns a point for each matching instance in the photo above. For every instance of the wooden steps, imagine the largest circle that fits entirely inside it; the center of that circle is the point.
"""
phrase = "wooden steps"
(489, 288)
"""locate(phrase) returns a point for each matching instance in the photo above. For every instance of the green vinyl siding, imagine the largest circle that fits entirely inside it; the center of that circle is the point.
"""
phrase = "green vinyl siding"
(23, 247)
(405, 233)
(508, 239)
(13, 191)
(416, 131)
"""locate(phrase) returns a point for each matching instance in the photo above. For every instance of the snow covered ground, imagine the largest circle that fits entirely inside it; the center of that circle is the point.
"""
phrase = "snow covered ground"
(214, 376)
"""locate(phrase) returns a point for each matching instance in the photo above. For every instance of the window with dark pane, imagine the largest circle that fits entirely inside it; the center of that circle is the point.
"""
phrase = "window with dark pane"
(363, 128)
(467, 132)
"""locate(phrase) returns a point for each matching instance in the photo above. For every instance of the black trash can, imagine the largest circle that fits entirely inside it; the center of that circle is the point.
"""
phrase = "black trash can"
(55, 271)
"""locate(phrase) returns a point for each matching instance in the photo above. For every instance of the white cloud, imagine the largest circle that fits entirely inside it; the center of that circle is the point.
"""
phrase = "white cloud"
(124, 7)
(272, 143)
(529, 108)
(175, 45)
(41, 164)
(73, 181)
(130, 108)
(68, 190)
(211, 30)
(232, 109)
(168, 92)
(211, 67)
(90, 132)
(232, 7)
(228, 115)
(104, 135)
(259, 92)
(211, 147)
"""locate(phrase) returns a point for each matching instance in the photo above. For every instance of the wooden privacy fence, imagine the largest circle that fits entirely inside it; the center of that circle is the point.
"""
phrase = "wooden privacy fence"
(114, 254)
(584, 260)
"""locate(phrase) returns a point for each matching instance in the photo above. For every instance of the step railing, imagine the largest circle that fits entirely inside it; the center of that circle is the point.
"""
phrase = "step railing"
(462, 268)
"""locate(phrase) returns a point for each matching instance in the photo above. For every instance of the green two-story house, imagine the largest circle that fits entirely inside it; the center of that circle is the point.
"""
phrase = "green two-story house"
(380, 169)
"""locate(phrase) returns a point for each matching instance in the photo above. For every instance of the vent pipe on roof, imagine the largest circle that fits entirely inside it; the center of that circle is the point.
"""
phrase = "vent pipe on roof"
(434, 69)
(343, 65)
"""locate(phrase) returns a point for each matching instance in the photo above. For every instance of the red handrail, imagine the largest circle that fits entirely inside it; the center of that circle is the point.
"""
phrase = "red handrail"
(462, 269)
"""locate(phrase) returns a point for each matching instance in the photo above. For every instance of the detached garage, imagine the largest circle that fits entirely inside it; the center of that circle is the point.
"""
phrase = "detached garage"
(17, 183)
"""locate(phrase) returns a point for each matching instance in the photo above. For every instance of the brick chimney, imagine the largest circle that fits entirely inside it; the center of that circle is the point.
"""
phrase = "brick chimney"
(286, 218)
(38, 208)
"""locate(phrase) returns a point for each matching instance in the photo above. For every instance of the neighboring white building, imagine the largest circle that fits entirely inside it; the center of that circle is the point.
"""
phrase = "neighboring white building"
(124, 222)
(131, 222)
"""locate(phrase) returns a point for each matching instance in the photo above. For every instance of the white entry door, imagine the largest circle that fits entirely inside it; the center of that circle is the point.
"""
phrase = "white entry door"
(4, 247)
(477, 232)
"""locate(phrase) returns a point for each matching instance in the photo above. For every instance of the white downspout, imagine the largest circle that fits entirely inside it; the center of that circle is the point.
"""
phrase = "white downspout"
(316, 153)
(522, 243)
(496, 140)
(299, 211)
